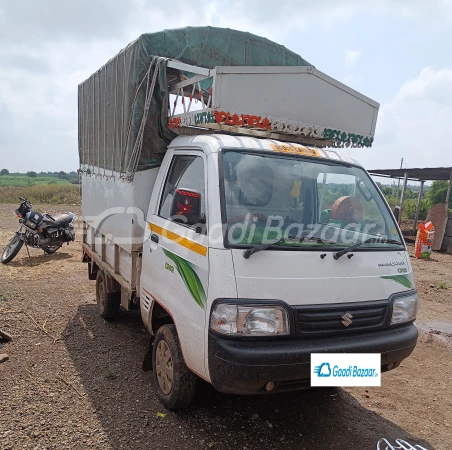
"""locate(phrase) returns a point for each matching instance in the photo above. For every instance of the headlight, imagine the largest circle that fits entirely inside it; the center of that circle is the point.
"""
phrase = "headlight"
(252, 320)
(404, 309)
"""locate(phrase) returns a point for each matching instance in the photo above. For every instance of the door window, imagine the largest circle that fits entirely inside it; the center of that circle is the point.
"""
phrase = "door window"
(187, 174)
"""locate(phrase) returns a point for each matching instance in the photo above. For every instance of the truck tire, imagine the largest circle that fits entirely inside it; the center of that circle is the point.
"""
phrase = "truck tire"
(108, 303)
(175, 384)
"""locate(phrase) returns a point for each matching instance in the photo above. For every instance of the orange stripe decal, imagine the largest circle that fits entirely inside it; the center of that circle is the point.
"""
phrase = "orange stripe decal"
(187, 243)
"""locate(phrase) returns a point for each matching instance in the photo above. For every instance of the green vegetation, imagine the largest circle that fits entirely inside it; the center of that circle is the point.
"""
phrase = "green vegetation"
(45, 187)
(437, 193)
(409, 209)
(442, 286)
(22, 180)
(32, 178)
(40, 193)
(432, 195)
(111, 374)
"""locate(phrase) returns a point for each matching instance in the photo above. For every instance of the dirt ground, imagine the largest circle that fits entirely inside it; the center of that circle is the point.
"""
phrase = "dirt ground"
(79, 384)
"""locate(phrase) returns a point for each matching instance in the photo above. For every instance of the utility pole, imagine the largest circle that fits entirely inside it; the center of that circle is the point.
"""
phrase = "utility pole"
(398, 185)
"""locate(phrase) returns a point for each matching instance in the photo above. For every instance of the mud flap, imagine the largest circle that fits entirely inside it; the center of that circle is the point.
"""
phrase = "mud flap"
(147, 360)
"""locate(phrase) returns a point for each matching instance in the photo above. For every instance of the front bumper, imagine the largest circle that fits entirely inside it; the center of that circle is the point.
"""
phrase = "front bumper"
(240, 366)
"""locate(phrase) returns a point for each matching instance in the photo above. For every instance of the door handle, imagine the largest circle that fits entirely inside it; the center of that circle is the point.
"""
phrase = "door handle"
(154, 238)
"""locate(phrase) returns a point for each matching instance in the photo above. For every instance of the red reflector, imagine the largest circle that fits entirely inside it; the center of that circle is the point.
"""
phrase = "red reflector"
(188, 194)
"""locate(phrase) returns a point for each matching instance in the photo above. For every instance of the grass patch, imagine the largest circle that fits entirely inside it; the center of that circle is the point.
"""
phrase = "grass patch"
(442, 286)
(24, 181)
(111, 374)
(50, 193)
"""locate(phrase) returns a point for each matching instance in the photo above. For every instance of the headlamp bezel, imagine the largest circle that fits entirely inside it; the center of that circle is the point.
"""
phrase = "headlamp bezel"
(398, 296)
(255, 303)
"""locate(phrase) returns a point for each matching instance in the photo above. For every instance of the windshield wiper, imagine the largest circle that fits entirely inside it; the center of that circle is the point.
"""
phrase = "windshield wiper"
(247, 253)
(367, 241)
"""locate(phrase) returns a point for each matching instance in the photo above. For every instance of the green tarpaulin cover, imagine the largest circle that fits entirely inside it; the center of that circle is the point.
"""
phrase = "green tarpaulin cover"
(209, 47)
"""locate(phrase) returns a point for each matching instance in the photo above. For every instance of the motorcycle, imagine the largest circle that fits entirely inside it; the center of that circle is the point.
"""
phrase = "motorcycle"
(39, 231)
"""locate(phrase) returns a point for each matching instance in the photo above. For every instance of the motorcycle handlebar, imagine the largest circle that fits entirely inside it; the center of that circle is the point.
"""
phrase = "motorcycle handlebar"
(26, 201)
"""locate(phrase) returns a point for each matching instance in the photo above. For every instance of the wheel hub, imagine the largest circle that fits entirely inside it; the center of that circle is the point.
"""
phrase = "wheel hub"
(164, 364)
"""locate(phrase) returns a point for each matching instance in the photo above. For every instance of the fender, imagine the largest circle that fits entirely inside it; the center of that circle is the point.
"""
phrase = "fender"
(151, 314)
(147, 360)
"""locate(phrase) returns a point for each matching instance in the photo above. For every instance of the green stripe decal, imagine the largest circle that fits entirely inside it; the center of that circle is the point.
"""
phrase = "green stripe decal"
(404, 280)
(189, 277)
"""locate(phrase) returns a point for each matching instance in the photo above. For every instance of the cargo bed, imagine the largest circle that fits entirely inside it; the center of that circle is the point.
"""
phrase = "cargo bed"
(114, 218)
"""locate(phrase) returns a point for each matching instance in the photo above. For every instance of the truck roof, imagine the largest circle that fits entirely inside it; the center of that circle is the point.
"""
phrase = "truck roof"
(212, 142)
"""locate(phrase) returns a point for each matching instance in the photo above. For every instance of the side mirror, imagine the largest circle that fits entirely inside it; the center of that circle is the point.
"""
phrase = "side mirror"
(186, 207)
(397, 213)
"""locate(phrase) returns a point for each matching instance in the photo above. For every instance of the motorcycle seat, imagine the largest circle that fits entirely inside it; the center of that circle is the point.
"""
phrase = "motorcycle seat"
(61, 220)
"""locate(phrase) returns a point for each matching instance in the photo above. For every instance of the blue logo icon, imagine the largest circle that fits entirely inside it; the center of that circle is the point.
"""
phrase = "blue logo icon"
(324, 370)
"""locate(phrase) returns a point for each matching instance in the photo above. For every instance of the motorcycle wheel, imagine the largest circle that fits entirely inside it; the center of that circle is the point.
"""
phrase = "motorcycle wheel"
(12, 249)
(51, 250)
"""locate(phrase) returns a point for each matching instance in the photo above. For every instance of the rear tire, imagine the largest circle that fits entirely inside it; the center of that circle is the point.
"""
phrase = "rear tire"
(108, 303)
(12, 249)
(175, 384)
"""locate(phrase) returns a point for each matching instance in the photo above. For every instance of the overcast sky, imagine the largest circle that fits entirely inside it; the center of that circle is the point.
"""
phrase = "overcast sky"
(395, 52)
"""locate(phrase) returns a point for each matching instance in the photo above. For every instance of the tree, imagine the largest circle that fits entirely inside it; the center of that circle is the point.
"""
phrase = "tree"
(437, 193)
(4, 172)
(409, 194)
(63, 175)
(32, 174)
(409, 209)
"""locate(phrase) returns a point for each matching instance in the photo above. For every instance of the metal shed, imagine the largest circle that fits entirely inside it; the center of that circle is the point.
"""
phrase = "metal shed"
(416, 174)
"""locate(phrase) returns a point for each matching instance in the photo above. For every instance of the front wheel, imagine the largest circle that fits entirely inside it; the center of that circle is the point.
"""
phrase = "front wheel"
(174, 382)
(12, 249)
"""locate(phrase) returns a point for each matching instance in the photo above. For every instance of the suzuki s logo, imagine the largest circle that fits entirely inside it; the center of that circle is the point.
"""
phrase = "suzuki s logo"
(347, 319)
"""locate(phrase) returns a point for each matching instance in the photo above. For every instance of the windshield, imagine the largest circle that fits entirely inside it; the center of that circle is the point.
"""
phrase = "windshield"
(301, 202)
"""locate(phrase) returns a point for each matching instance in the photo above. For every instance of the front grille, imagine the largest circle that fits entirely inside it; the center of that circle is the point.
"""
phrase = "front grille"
(328, 319)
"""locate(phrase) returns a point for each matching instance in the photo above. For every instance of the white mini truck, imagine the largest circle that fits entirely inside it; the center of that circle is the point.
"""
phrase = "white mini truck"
(246, 253)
